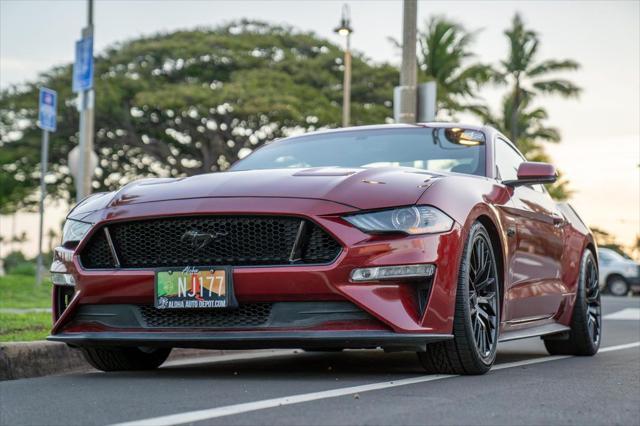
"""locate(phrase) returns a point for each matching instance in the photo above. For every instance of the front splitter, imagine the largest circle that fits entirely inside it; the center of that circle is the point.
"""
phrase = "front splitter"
(254, 340)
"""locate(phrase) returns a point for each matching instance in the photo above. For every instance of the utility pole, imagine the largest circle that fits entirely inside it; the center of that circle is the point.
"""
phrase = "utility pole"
(344, 29)
(405, 94)
(86, 104)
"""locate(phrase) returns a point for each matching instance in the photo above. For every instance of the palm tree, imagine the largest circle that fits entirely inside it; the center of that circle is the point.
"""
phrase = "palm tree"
(531, 121)
(443, 57)
(522, 121)
(527, 76)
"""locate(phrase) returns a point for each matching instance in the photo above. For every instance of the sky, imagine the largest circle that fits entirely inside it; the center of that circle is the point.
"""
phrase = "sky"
(600, 149)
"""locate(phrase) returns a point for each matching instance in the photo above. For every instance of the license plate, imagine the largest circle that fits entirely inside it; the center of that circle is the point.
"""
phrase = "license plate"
(194, 288)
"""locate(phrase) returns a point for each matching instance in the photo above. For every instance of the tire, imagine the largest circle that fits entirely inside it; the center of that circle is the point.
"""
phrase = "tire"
(617, 286)
(125, 359)
(466, 353)
(586, 320)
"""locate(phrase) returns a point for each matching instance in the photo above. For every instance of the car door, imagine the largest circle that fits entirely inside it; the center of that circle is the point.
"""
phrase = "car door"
(534, 290)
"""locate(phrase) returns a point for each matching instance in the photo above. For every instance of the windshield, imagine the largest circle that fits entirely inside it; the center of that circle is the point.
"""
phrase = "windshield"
(456, 150)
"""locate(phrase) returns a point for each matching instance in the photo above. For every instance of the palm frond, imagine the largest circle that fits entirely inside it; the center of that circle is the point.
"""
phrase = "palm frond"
(552, 65)
(444, 53)
(557, 87)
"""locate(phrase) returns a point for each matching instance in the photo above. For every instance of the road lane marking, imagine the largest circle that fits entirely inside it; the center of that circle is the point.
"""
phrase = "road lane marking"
(632, 314)
(229, 410)
(619, 347)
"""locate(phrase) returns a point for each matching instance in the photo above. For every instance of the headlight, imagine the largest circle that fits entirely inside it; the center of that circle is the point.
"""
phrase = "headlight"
(411, 220)
(74, 231)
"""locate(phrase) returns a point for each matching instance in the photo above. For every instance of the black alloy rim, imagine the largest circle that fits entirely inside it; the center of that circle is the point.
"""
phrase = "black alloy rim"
(483, 300)
(592, 289)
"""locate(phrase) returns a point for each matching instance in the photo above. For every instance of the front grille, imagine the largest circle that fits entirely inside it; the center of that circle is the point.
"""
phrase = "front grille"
(97, 253)
(236, 241)
(248, 315)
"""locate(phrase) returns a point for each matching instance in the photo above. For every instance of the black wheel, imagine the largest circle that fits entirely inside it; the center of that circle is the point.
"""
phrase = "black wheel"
(617, 286)
(477, 316)
(586, 320)
(122, 359)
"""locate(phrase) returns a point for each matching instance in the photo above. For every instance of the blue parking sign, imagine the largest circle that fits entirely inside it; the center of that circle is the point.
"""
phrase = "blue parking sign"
(83, 65)
(47, 109)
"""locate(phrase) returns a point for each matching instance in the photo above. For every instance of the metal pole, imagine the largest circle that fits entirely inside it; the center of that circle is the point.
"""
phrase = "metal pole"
(85, 174)
(409, 70)
(44, 159)
(346, 95)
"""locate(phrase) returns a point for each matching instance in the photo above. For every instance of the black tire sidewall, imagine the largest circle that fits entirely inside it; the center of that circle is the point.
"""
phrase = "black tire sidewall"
(579, 325)
(462, 298)
(124, 358)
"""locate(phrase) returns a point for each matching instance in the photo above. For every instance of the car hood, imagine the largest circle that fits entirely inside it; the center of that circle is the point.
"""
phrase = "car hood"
(624, 263)
(359, 188)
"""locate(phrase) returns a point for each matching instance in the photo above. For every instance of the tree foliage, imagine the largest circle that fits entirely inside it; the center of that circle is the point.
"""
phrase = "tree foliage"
(188, 102)
(191, 102)
(445, 56)
(606, 240)
(526, 78)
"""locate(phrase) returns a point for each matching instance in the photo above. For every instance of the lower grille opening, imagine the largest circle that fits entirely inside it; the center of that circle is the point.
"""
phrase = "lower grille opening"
(250, 315)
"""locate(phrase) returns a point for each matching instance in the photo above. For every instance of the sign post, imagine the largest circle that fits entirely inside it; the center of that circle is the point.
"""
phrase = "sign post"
(47, 122)
(83, 85)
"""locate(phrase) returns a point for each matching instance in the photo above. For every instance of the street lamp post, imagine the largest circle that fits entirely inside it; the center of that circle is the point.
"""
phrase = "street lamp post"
(345, 30)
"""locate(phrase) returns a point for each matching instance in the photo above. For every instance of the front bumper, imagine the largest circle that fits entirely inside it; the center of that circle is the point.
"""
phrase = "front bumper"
(634, 281)
(401, 310)
(255, 340)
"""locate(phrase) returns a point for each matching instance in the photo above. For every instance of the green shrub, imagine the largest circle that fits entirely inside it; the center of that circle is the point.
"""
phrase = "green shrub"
(12, 260)
(24, 268)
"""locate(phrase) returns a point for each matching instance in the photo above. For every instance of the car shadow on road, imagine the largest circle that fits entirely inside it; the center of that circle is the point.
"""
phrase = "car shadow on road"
(347, 363)
(351, 365)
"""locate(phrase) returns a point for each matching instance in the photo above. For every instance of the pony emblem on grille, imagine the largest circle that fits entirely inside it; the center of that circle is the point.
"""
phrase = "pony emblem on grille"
(199, 240)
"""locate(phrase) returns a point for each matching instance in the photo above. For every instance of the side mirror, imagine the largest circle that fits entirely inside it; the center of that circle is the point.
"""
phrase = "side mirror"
(533, 173)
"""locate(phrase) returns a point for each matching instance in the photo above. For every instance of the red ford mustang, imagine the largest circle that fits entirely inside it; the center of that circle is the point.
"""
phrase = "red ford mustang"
(435, 238)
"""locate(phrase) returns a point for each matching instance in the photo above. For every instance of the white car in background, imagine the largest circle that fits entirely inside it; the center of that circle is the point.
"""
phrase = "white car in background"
(617, 273)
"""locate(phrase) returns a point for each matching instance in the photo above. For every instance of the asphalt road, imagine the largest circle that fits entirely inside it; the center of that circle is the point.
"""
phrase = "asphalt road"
(354, 387)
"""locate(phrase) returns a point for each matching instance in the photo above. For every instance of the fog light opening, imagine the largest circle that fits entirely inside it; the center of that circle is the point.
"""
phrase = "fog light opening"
(63, 295)
(58, 278)
(392, 272)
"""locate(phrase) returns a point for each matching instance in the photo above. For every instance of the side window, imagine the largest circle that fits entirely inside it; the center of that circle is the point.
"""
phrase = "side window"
(507, 160)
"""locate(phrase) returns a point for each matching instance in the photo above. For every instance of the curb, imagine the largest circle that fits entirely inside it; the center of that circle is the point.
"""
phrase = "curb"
(22, 360)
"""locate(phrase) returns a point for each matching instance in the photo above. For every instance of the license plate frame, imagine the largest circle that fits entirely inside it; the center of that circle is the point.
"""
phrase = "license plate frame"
(179, 292)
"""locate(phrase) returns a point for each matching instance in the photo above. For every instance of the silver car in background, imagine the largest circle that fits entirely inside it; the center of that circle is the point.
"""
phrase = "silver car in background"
(618, 274)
